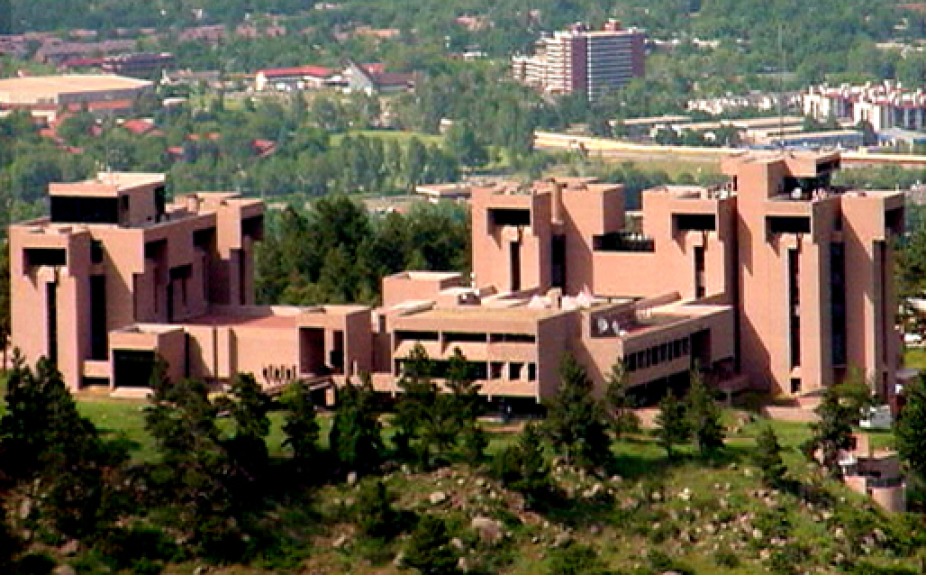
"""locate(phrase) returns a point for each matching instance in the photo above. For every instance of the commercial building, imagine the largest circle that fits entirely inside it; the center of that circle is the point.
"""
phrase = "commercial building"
(579, 60)
(294, 79)
(776, 280)
(97, 93)
(884, 106)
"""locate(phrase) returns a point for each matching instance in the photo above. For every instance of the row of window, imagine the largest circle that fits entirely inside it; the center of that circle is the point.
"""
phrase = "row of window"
(657, 354)
(474, 337)
(509, 371)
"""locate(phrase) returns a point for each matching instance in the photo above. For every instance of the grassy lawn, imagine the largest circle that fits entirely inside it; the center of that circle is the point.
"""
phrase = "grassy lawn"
(402, 137)
(915, 357)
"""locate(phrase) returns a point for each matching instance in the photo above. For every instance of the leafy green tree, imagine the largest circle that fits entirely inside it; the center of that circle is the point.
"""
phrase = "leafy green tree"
(576, 422)
(429, 550)
(768, 457)
(833, 431)
(910, 428)
(301, 426)
(703, 415)
(672, 423)
(355, 438)
(462, 143)
(619, 403)
(523, 467)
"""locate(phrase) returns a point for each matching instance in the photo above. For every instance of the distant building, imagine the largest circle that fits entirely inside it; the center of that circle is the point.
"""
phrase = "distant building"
(293, 79)
(138, 65)
(98, 94)
(374, 79)
(884, 106)
(761, 101)
(584, 61)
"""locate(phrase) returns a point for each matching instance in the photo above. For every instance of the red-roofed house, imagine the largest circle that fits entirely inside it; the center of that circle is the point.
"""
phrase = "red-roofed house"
(293, 79)
(139, 127)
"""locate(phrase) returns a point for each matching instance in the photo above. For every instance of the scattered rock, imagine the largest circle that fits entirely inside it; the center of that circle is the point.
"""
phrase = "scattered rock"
(340, 542)
(399, 560)
(437, 497)
(463, 565)
(200, 570)
(457, 543)
(64, 570)
(480, 482)
(595, 529)
(70, 548)
(685, 495)
(352, 478)
(562, 539)
(757, 534)
(593, 492)
(489, 530)
(25, 508)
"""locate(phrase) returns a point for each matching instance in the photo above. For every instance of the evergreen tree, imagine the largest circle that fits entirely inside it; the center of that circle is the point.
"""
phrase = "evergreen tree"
(429, 550)
(465, 408)
(462, 143)
(418, 411)
(56, 455)
(910, 428)
(703, 415)
(833, 431)
(768, 457)
(193, 465)
(375, 515)
(672, 423)
(623, 418)
(575, 423)
(355, 438)
(523, 467)
(301, 426)
(248, 407)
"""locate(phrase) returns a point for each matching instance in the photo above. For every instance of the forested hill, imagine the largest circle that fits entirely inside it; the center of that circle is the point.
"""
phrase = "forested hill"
(810, 28)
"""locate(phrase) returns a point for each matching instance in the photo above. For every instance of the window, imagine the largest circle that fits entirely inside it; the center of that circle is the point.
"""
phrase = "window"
(514, 371)
(96, 251)
(795, 385)
(46, 257)
(510, 217)
(531, 372)
(788, 224)
(695, 222)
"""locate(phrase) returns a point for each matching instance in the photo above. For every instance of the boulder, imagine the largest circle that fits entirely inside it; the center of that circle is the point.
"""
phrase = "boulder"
(437, 497)
(489, 530)
(64, 570)
(352, 478)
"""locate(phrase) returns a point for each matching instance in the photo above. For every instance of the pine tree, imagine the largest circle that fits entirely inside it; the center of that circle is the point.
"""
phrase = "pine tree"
(672, 423)
(429, 550)
(419, 415)
(54, 453)
(768, 457)
(623, 418)
(575, 423)
(465, 402)
(910, 428)
(355, 438)
(375, 515)
(832, 433)
(248, 407)
(703, 416)
(523, 467)
(301, 426)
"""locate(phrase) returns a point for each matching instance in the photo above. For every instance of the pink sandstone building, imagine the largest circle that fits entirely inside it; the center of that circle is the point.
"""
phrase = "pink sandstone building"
(776, 280)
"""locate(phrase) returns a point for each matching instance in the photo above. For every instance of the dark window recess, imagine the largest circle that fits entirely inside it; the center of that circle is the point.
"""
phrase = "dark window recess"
(155, 250)
(181, 272)
(623, 242)
(46, 257)
(132, 368)
(452, 337)
(99, 342)
(838, 302)
(515, 262)
(558, 267)
(700, 288)
(96, 251)
(894, 220)
(253, 227)
(788, 225)
(512, 338)
(84, 210)
(795, 385)
(695, 222)
(510, 217)
(123, 208)
(51, 320)
(204, 239)
(416, 336)
(794, 309)
(160, 203)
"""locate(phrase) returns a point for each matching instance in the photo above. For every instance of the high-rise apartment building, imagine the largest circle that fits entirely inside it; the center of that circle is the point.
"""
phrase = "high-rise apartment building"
(579, 60)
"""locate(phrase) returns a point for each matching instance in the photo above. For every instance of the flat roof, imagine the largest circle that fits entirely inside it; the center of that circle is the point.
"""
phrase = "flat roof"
(483, 313)
(264, 321)
(70, 83)
(106, 184)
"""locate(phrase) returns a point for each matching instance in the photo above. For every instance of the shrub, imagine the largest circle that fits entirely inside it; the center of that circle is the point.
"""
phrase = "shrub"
(575, 559)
